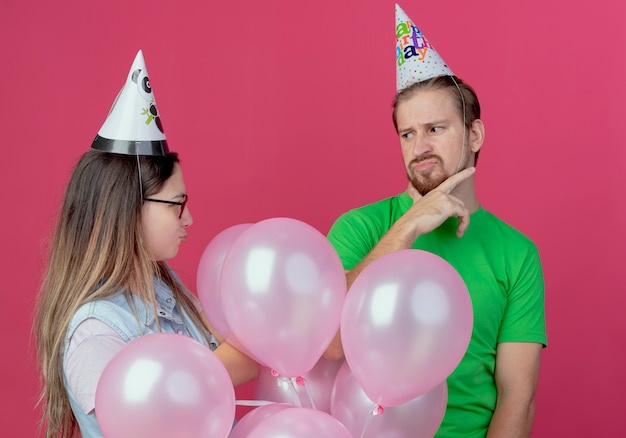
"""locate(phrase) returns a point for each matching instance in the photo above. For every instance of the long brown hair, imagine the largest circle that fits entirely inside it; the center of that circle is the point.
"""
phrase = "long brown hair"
(97, 252)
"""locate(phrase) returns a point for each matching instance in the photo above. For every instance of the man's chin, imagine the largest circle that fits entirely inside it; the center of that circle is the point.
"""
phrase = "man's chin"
(425, 185)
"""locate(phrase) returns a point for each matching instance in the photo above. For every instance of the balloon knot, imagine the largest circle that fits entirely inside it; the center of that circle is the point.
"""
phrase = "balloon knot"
(275, 373)
(300, 381)
(378, 409)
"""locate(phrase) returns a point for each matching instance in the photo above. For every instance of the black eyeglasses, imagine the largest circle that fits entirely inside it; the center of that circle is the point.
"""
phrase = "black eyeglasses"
(163, 201)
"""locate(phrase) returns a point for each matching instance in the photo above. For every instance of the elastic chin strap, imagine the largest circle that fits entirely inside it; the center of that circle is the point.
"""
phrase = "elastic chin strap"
(139, 173)
(458, 166)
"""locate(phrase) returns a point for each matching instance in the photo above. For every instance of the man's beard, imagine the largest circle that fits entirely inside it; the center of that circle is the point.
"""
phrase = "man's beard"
(425, 184)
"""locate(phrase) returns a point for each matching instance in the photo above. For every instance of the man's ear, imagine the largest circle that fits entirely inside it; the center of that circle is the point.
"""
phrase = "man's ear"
(477, 135)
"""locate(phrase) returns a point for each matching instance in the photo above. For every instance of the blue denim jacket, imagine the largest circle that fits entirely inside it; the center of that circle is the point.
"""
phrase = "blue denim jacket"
(117, 314)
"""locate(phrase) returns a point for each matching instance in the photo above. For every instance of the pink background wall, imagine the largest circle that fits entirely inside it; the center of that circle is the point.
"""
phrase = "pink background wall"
(283, 109)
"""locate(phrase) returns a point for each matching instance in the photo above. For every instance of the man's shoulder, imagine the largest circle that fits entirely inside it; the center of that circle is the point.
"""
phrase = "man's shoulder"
(399, 202)
(370, 220)
(499, 226)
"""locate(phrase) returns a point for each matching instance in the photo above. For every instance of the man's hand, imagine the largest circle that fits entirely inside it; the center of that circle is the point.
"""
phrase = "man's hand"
(431, 210)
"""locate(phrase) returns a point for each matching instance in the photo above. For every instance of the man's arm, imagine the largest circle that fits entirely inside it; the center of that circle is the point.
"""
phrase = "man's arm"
(426, 214)
(516, 374)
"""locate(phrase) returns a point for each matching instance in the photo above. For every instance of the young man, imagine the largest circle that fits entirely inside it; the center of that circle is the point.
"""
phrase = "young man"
(437, 117)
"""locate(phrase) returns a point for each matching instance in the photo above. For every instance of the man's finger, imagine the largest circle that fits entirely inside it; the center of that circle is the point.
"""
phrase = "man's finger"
(463, 224)
(449, 184)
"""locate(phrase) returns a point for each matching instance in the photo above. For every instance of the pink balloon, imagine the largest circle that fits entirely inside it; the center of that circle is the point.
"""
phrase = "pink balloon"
(417, 418)
(300, 423)
(406, 324)
(312, 391)
(254, 417)
(282, 289)
(208, 278)
(165, 384)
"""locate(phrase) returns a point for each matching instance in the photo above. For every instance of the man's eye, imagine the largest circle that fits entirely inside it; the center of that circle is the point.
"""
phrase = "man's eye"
(407, 135)
(436, 129)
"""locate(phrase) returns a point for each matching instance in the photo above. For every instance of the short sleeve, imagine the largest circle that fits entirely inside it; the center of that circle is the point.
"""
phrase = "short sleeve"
(347, 240)
(524, 316)
(92, 345)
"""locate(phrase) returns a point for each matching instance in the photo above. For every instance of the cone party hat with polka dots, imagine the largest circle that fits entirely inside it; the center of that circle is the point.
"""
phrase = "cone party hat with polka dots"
(416, 58)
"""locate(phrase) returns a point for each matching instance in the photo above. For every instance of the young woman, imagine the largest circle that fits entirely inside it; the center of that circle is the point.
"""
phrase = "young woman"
(107, 281)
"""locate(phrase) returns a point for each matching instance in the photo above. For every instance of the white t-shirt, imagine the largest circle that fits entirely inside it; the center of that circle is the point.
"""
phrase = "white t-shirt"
(91, 347)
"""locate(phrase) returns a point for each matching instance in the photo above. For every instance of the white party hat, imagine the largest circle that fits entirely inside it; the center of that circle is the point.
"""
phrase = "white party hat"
(133, 126)
(416, 58)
